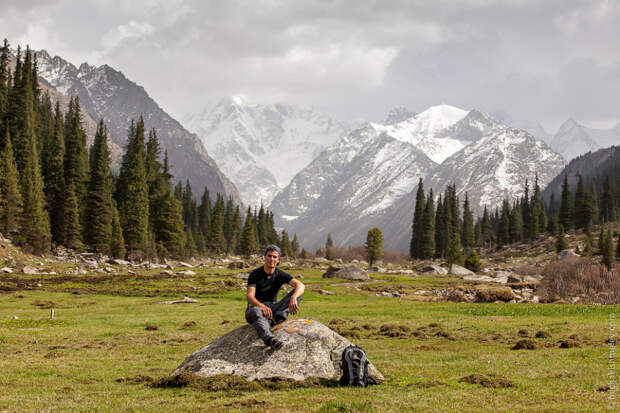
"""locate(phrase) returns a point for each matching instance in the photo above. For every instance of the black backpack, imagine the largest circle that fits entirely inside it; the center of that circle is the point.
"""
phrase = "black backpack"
(354, 365)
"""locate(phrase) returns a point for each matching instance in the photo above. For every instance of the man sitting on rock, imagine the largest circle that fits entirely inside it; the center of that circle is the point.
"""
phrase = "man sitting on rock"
(263, 309)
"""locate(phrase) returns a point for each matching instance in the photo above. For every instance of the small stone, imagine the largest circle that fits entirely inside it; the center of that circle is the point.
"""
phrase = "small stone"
(242, 275)
(186, 272)
(6, 270)
(15, 317)
(434, 269)
(323, 292)
(120, 262)
(166, 272)
(458, 270)
(131, 272)
(185, 265)
(347, 272)
(567, 254)
(29, 270)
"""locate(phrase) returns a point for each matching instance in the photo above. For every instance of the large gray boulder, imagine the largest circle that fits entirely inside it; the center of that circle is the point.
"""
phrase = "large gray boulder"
(458, 270)
(347, 272)
(434, 270)
(310, 349)
(564, 254)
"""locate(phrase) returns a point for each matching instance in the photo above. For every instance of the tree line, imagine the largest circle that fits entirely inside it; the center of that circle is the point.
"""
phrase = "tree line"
(54, 191)
(450, 232)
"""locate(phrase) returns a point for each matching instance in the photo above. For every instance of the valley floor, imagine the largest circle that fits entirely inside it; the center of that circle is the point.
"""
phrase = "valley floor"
(97, 354)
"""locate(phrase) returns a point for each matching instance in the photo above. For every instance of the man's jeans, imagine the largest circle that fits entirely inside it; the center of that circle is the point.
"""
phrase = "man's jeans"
(254, 315)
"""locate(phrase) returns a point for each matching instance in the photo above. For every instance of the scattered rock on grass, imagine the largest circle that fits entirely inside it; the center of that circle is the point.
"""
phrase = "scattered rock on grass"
(184, 300)
(347, 272)
(458, 270)
(151, 327)
(434, 270)
(543, 334)
(29, 270)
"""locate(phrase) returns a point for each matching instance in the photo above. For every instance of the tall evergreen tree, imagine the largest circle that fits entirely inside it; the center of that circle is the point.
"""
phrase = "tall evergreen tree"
(295, 245)
(236, 230)
(217, 241)
(560, 243)
(468, 224)
(329, 243)
(35, 224)
(374, 245)
(54, 177)
(204, 215)
(4, 81)
(607, 210)
(285, 244)
(428, 227)
(607, 249)
(440, 238)
(415, 246)
(98, 204)
(516, 223)
(76, 157)
(503, 235)
(133, 194)
(247, 241)
(486, 228)
(582, 207)
(117, 242)
(229, 212)
(566, 205)
(10, 195)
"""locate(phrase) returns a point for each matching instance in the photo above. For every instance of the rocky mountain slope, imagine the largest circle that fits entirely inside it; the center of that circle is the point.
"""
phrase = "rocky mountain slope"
(588, 166)
(443, 145)
(262, 147)
(106, 93)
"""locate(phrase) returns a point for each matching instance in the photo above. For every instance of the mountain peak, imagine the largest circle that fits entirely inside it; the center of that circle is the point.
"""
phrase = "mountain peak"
(398, 114)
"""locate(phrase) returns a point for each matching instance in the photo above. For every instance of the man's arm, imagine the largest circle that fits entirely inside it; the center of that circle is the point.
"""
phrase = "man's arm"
(293, 307)
(253, 301)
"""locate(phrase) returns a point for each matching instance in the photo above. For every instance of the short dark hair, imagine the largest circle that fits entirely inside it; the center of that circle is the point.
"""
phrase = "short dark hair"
(273, 248)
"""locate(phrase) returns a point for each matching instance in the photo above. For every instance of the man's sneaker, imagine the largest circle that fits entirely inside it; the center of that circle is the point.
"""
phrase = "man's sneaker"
(275, 343)
(279, 319)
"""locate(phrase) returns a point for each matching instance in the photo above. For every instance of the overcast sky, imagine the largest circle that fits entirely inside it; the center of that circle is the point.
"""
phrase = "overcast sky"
(536, 60)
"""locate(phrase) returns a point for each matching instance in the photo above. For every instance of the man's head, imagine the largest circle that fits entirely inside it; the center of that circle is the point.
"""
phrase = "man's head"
(272, 257)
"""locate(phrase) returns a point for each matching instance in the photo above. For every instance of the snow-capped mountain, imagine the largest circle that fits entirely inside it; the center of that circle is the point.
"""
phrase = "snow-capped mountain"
(573, 139)
(398, 114)
(107, 94)
(262, 147)
(482, 156)
(343, 190)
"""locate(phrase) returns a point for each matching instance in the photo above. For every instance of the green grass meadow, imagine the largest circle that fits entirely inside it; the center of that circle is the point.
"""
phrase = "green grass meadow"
(94, 355)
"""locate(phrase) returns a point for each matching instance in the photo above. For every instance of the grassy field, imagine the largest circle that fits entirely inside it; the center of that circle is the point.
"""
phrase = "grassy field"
(97, 354)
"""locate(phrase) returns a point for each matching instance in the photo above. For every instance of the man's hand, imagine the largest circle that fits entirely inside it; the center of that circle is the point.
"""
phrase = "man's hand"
(293, 307)
(267, 311)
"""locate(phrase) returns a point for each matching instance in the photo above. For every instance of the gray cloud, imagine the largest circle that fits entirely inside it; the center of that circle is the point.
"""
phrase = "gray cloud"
(541, 60)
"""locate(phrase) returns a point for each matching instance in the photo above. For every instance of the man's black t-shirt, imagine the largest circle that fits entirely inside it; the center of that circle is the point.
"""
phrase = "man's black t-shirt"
(267, 287)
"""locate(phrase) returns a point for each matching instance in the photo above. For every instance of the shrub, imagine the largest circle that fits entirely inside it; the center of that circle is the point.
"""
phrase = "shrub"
(581, 277)
(473, 263)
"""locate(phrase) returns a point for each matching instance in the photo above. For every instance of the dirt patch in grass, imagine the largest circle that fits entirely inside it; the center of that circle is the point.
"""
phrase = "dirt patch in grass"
(526, 344)
(44, 304)
(491, 381)
(569, 343)
(543, 334)
(428, 384)
(188, 325)
(523, 333)
(140, 378)
(252, 403)
(228, 383)
(394, 330)
(151, 327)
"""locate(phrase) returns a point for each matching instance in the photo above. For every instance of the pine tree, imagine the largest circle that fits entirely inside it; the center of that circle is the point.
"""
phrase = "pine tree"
(486, 228)
(440, 238)
(35, 223)
(582, 208)
(608, 208)
(565, 207)
(229, 212)
(516, 224)
(247, 241)
(10, 195)
(473, 263)
(168, 225)
(4, 80)
(526, 211)
(285, 244)
(561, 243)
(415, 246)
(76, 158)
(72, 229)
(295, 245)
(133, 194)
(217, 241)
(117, 242)
(503, 236)
(261, 226)
(329, 243)
(204, 215)
(553, 226)
(428, 227)
(455, 253)
(374, 245)
(98, 204)
(236, 230)
(54, 176)
(468, 224)
(593, 200)
(607, 249)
